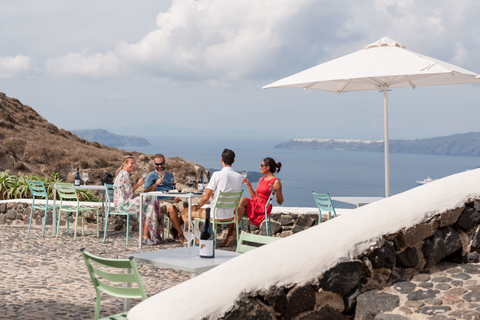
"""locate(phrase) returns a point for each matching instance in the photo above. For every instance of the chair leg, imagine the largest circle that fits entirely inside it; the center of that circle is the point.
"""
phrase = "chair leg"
(128, 227)
(106, 224)
(58, 222)
(31, 216)
(76, 223)
(44, 221)
(98, 221)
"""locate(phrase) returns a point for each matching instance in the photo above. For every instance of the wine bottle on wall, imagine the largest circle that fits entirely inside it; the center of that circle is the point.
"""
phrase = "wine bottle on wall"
(207, 249)
(77, 178)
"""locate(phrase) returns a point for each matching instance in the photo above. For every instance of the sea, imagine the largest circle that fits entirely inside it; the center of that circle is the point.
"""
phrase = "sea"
(337, 172)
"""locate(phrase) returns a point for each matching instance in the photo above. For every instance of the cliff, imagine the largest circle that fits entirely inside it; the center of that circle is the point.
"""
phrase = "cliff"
(110, 139)
(467, 144)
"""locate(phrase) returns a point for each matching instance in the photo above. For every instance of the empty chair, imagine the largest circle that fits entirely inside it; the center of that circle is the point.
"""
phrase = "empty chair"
(107, 272)
(249, 241)
(225, 200)
(67, 192)
(109, 191)
(267, 217)
(324, 205)
(37, 189)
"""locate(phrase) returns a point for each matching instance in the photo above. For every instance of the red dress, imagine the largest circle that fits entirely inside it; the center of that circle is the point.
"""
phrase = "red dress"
(256, 206)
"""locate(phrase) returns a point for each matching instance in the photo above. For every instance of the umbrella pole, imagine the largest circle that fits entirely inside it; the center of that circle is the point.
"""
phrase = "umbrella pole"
(386, 151)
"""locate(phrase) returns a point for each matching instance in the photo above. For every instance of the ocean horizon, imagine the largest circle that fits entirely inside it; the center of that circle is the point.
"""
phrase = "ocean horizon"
(337, 172)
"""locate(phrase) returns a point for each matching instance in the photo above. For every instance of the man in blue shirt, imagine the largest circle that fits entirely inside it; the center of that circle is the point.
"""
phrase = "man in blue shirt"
(160, 180)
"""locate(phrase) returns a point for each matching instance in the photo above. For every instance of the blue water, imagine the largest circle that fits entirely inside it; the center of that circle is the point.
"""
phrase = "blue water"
(340, 173)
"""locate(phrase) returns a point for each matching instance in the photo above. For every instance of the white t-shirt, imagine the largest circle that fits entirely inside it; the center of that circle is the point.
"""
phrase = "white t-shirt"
(225, 180)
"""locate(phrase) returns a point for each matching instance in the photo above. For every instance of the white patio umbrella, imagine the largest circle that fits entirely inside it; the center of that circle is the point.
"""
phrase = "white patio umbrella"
(382, 65)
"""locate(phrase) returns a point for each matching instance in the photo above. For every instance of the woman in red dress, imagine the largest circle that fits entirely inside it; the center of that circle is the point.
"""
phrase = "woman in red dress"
(255, 207)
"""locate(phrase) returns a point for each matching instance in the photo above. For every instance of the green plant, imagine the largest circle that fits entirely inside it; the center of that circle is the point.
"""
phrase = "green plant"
(5, 181)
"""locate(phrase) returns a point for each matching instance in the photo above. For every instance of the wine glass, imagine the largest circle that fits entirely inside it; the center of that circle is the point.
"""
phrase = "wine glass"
(144, 172)
(197, 229)
(190, 182)
(188, 234)
(244, 173)
(173, 183)
(85, 177)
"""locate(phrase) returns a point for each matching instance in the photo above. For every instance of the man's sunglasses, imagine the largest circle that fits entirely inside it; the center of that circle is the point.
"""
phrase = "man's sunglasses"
(159, 164)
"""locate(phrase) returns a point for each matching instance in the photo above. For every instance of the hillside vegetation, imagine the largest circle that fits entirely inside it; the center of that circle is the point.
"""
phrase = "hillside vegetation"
(32, 145)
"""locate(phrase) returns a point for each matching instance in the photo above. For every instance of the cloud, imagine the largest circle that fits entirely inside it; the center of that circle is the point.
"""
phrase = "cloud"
(12, 67)
(224, 41)
(79, 64)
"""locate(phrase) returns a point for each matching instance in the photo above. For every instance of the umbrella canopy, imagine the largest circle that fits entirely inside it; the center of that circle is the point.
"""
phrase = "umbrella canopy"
(382, 65)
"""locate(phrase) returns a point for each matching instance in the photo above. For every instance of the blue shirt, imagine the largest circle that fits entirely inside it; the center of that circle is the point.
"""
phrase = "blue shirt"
(154, 176)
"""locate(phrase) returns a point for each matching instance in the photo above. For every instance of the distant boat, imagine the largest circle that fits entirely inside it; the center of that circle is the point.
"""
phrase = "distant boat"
(427, 180)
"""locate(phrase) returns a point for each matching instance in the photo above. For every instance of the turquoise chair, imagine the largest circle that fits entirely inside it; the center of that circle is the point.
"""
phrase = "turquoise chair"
(101, 270)
(37, 189)
(110, 191)
(225, 200)
(67, 192)
(324, 205)
(267, 217)
(249, 241)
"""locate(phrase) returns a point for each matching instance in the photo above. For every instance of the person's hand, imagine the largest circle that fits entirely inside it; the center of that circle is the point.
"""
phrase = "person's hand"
(176, 199)
(141, 180)
(159, 181)
(245, 180)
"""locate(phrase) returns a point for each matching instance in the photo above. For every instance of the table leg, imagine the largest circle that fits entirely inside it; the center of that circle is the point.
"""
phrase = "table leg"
(140, 222)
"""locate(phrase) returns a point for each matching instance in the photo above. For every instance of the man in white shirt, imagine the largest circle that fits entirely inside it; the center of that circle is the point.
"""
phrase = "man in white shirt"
(225, 180)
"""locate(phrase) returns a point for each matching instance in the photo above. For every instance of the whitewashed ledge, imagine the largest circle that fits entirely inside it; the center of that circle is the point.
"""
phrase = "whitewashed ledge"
(304, 210)
(50, 202)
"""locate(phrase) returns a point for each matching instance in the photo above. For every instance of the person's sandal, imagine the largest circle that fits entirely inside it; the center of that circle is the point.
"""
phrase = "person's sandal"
(148, 242)
(182, 238)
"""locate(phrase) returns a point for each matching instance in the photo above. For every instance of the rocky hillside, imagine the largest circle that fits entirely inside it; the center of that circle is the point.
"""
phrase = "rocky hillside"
(466, 144)
(110, 139)
(29, 144)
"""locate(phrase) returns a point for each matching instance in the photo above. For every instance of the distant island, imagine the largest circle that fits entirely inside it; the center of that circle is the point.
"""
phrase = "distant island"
(467, 144)
(110, 139)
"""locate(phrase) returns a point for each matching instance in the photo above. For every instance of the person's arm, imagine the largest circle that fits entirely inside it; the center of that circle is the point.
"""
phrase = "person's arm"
(139, 183)
(250, 188)
(277, 186)
(154, 185)
(206, 197)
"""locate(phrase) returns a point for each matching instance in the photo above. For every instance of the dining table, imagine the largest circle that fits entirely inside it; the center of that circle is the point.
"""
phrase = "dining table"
(187, 195)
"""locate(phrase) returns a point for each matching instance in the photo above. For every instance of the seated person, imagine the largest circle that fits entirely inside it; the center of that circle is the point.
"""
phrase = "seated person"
(255, 207)
(160, 180)
(225, 180)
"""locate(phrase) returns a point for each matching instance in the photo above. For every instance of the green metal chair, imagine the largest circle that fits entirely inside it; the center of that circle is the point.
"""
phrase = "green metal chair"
(324, 205)
(225, 200)
(37, 189)
(249, 241)
(109, 190)
(267, 217)
(67, 192)
(103, 278)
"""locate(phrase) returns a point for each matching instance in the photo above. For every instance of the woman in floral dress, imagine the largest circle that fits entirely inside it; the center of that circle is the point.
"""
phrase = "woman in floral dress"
(124, 201)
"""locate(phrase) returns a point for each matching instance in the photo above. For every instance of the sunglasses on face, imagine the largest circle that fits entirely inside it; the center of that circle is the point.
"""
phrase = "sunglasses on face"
(262, 165)
(160, 164)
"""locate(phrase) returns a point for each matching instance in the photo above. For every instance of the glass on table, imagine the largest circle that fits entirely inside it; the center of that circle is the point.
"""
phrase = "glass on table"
(188, 234)
(85, 177)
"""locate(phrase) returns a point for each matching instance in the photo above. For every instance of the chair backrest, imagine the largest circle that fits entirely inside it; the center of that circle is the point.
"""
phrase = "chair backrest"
(249, 241)
(227, 200)
(109, 191)
(324, 204)
(270, 199)
(66, 191)
(107, 272)
(37, 188)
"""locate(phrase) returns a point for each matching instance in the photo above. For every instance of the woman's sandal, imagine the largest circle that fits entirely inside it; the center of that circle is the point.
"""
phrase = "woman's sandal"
(227, 242)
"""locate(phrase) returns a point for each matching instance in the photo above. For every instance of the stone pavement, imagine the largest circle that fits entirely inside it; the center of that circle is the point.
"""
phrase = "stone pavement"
(46, 278)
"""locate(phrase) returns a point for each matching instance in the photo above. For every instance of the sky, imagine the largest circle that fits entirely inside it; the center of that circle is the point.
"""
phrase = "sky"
(197, 67)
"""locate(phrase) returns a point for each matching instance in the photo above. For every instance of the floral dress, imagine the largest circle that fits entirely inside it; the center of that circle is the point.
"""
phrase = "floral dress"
(124, 201)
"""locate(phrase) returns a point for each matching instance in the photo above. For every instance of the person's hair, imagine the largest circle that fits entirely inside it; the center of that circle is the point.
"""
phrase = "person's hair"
(159, 155)
(125, 160)
(228, 157)
(274, 166)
